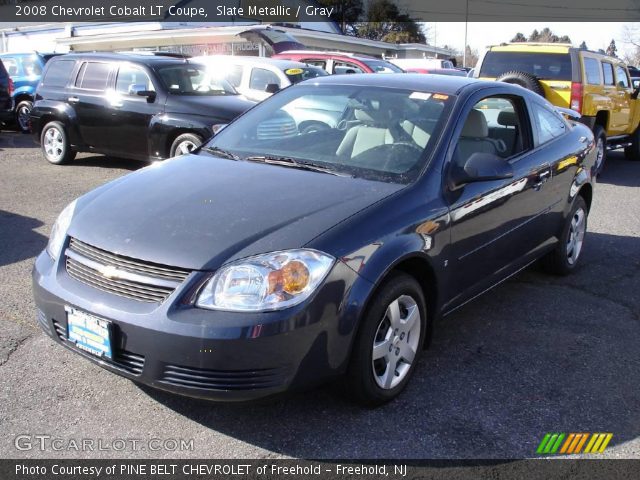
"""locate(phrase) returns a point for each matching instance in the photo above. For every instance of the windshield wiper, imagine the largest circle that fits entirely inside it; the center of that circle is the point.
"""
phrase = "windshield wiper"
(221, 153)
(291, 162)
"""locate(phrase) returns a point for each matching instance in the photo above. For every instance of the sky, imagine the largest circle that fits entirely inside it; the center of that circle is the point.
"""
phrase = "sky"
(480, 34)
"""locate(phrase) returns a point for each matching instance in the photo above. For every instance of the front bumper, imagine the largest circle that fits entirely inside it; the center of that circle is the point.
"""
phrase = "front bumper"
(215, 355)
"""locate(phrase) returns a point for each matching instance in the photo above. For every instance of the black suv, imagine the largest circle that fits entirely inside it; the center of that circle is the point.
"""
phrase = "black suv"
(6, 87)
(142, 107)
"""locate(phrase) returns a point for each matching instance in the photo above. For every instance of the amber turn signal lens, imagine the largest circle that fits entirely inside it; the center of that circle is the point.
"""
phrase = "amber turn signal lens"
(295, 277)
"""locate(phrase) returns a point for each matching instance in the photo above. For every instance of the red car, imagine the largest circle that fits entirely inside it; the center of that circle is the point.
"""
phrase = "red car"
(438, 71)
(340, 62)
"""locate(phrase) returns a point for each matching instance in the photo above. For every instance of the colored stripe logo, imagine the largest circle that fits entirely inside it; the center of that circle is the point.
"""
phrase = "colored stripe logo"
(573, 443)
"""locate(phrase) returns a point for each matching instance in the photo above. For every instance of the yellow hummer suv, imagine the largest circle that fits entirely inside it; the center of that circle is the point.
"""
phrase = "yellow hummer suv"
(595, 85)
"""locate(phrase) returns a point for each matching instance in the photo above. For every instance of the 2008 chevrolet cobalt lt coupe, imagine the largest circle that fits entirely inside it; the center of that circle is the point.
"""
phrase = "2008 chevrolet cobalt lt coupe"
(271, 259)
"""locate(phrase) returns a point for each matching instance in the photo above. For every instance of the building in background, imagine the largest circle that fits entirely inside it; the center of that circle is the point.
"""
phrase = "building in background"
(193, 38)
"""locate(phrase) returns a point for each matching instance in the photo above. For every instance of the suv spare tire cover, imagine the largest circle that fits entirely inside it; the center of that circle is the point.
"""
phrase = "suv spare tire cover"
(524, 79)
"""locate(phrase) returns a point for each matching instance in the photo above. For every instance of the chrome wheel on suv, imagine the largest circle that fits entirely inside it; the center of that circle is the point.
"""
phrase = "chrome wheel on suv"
(55, 145)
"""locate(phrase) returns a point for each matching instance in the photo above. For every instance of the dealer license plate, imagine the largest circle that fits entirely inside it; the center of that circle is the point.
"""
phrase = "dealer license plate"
(89, 333)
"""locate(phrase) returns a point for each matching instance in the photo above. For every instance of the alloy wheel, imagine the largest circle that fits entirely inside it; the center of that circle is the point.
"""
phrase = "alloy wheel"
(185, 147)
(23, 117)
(396, 342)
(54, 144)
(599, 154)
(577, 230)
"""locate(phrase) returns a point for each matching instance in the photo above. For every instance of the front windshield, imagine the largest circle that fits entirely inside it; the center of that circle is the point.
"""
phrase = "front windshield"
(368, 132)
(380, 66)
(296, 75)
(190, 79)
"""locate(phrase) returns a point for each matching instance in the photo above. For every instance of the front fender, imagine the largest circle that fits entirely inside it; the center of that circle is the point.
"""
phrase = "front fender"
(165, 127)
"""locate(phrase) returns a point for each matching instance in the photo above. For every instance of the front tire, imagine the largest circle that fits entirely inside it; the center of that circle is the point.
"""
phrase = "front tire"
(632, 152)
(23, 111)
(55, 144)
(185, 143)
(601, 148)
(389, 342)
(564, 259)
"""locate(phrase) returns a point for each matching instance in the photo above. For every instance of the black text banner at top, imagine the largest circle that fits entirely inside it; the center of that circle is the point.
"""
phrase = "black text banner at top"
(275, 11)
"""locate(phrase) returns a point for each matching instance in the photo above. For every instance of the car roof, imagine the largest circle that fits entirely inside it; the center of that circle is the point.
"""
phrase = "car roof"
(445, 84)
(124, 57)
(329, 54)
(275, 62)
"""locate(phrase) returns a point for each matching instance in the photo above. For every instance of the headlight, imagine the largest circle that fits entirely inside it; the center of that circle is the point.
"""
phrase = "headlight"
(271, 281)
(59, 230)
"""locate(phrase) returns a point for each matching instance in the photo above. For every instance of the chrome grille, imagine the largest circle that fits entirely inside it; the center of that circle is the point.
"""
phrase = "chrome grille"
(127, 264)
(119, 275)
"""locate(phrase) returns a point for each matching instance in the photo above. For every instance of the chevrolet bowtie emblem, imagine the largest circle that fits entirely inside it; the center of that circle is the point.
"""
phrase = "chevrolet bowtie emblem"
(110, 271)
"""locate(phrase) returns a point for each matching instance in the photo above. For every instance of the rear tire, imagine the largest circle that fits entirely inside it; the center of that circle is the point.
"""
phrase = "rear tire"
(564, 258)
(633, 152)
(185, 143)
(601, 148)
(55, 144)
(389, 342)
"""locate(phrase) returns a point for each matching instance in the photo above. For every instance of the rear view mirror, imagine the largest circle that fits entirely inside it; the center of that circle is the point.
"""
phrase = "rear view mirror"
(272, 88)
(482, 167)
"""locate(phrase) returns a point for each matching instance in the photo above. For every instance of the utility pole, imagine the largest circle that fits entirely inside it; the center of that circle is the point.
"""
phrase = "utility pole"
(464, 48)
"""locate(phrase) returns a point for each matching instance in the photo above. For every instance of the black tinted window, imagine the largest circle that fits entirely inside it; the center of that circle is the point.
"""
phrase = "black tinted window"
(93, 76)
(592, 71)
(546, 66)
(58, 73)
(607, 69)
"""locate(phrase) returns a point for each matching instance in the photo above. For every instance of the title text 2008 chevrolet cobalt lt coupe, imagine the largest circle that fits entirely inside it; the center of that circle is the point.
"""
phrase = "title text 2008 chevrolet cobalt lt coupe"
(271, 259)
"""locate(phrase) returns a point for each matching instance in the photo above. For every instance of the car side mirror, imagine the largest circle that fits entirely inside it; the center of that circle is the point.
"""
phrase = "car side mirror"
(635, 93)
(272, 88)
(149, 94)
(482, 167)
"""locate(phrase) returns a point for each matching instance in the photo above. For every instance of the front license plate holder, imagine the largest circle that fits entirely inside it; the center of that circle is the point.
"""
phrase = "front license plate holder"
(89, 333)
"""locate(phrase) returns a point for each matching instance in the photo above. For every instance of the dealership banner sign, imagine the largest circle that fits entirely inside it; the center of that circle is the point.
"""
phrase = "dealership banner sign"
(114, 469)
(312, 10)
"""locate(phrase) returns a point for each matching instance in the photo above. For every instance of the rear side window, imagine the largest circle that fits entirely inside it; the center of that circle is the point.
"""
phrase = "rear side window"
(621, 76)
(592, 71)
(57, 75)
(550, 124)
(546, 66)
(607, 70)
(93, 76)
(11, 64)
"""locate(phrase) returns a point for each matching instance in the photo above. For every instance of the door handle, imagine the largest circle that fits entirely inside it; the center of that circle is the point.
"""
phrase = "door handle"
(541, 178)
(73, 99)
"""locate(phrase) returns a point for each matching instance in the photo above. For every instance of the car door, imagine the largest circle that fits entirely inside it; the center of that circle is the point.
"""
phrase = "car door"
(496, 225)
(624, 100)
(132, 113)
(611, 92)
(89, 101)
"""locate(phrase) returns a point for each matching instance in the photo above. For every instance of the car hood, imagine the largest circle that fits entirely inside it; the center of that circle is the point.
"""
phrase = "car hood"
(199, 211)
(218, 107)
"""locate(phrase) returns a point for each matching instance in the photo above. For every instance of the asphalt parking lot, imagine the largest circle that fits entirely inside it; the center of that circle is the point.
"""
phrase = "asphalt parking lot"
(538, 354)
